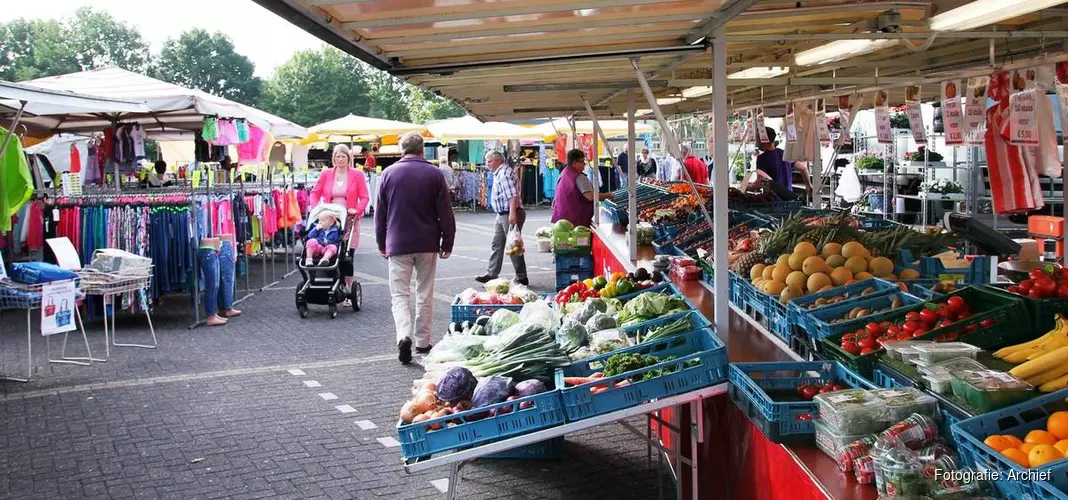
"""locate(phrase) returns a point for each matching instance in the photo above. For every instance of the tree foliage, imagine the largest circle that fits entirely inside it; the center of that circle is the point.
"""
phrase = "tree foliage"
(207, 61)
(97, 40)
(315, 86)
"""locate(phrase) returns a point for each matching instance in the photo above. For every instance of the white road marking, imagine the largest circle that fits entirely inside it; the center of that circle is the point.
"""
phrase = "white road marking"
(296, 372)
(312, 383)
(328, 396)
(366, 425)
(346, 409)
(388, 442)
(441, 484)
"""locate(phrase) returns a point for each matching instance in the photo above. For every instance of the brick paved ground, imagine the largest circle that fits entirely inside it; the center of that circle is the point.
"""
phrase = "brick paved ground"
(214, 412)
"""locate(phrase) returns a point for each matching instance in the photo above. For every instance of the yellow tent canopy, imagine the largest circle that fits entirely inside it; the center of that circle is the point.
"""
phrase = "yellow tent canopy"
(351, 128)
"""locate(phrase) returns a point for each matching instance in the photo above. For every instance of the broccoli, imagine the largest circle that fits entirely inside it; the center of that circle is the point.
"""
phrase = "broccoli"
(623, 363)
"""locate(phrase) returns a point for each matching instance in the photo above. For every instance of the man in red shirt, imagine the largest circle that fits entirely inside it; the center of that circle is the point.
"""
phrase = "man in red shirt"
(369, 158)
(694, 166)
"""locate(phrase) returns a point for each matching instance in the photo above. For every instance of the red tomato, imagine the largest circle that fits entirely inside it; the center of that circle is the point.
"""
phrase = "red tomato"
(956, 304)
(874, 329)
(867, 343)
(944, 311)
(1062, 273)
(1047, 286)
(893, 330)
(1036, 293)
(804, 416)
(929, 316)
(1025, 286)
(987, 322)
(1015, 289)
(911, 326)
(1062, 292)
(919, 331)
(944, 323)
(971, 328)
(849, 336)
(912, 316)
(851, 347)
(886, 324)
(964, 315)
(809, 392)
(866, 350)
(1037, 273)
(839, 387)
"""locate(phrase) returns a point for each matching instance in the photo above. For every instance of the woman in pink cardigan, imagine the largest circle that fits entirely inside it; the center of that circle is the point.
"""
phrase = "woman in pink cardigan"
(345, 186)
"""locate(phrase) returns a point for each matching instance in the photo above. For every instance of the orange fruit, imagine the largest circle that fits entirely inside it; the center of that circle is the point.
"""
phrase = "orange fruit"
(1026, 447)
(1038, 436)
(1058, 424)
(1062, 445)
(1013, 439)
(998, 443)
(1043, 454)
(1016, 456)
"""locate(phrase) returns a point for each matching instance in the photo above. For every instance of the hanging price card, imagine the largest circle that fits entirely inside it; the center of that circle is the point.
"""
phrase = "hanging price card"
(975, 111)
(952, 113)
(912, 110)
(761, 129)
(1023, 119)
(821, 124)
(791, 124)
(196, 178)
(883, 131)
(846, 104)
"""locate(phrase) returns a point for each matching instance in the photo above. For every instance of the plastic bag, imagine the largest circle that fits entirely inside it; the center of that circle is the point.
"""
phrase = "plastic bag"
(849, 185)
(468, 296)
(524, 293)
(501, 320)
(539, 313)
(499, 285)
(515, 243)
(455, 348)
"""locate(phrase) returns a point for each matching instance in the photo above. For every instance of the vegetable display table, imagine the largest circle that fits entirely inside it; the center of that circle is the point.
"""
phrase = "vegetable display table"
(734, 455)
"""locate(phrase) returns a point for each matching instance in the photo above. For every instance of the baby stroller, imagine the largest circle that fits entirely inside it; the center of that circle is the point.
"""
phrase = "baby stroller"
(325, 284)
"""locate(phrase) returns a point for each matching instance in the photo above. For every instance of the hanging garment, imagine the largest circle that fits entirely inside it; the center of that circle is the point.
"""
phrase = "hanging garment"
(16, 183)
(209, 129)
(75, 159)
(299, 157)
(137, 139)
(91, 173)
(242, 130)
(805, 147)
(1033, 156)
(278, 153)
(1013, 184)
(252, 150)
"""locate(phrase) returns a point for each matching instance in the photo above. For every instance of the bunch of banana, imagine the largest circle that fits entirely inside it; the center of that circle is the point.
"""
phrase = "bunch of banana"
(1044, 360)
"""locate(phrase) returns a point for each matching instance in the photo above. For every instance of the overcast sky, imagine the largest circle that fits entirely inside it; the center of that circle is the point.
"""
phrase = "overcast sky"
(257, 33)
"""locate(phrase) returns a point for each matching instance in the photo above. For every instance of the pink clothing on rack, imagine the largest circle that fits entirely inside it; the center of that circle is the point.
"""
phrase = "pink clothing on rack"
(253, 149)
(224, 219)
(302, 200)
(227, 133)
(35, 235)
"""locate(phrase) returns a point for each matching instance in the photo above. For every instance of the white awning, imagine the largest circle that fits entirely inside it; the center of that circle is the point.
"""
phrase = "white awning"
(611, 128)
(42, 102)
(363, 126)
(470, 128)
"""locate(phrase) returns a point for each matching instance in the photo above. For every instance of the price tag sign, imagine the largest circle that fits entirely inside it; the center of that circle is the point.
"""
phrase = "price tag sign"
(975, 111)
(196, 178)
(761, 130)
(791, 124)
(952, 113)
(915, 116)
(821, 124)
(1023, 120)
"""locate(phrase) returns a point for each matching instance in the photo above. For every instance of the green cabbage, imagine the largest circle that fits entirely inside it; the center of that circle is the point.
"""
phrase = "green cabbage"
(502, 320)
(600, 321)
(571, 336)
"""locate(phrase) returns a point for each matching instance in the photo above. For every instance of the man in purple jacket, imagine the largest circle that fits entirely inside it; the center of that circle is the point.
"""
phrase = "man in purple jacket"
(414, 225)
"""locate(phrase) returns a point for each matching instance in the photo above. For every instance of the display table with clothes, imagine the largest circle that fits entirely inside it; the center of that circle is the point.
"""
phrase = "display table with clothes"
(735, 457)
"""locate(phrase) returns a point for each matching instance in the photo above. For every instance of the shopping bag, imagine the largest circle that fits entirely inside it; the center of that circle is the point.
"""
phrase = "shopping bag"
(50, 309)
(515, 243)
(63, 316)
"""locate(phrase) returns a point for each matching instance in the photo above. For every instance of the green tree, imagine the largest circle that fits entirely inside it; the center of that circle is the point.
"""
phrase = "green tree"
(389, 96)
(425, 106)
(315, 86)
(34, 48)
(99, 40)
(208, 62)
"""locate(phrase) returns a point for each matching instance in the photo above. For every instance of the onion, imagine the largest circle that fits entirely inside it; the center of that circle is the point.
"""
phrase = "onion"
(408, 412)
(424, 402)
(419, 418)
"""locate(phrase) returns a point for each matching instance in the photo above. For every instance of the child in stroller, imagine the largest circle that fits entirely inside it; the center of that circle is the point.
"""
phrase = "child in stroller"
(321, 263)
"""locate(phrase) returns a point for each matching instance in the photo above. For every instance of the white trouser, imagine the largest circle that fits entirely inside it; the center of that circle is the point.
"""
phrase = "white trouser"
(401, 268)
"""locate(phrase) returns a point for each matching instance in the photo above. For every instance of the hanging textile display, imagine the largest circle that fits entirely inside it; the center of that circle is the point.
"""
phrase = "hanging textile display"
(585, 143)
(791, 123)
(560, 148)
(16, 184)
(805, 148)
(952, 114)
(1014, 186)
(883, 129)
(822, 127)
(912, 110)
(846, 104)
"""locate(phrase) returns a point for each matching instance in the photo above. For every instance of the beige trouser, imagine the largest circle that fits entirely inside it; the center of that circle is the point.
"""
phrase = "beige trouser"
(401, 269)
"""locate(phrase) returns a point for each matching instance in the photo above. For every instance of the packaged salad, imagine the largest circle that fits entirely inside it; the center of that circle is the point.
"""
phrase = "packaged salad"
(904, 401)
(852, 411)
(988, 390)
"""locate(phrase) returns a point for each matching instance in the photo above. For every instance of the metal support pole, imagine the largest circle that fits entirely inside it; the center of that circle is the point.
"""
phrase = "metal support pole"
(596, 169)
(14, 124)
(817, 173)
(632, 178)
(720, 184)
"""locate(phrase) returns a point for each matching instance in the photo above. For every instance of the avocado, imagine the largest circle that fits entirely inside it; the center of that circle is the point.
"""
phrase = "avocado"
(657, 277)
(641, 274)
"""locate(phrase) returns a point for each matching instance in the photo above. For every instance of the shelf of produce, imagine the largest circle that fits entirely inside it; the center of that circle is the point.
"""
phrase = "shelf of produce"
(795, 472)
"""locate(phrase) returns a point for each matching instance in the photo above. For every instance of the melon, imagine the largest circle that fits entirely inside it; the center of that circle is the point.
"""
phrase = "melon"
(797, 261)
(781, 272)
(830, 249)
(854, 249)
(836, 261)
(909, 274)
(857, 264)
(789, 293)
(757, 271)
(818, 281)
(840, 275)
(805, 248)
(796, 278)
(814, 264)
(881, 266)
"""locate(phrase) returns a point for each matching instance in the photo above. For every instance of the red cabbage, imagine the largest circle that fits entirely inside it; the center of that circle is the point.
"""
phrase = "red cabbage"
(492, 390)
(456, 384)
(529, 388)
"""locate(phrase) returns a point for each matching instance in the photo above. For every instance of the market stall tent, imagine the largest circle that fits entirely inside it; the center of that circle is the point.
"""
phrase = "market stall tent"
(471, 128)
(169, 106)
(351, 127)
(611, 128)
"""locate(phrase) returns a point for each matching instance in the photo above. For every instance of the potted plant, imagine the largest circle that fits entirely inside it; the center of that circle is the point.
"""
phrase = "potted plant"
(942, 188)
(868, 161)
(924, 157)
(898, 118)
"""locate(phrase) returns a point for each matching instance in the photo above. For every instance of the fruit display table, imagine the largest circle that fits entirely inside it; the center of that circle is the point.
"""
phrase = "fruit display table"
(734, 455)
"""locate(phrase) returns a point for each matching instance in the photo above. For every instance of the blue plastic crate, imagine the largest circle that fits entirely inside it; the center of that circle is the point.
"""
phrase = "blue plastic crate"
(702, 345)
(564, 280)
(471, 312)
(1017, 420)
(550, 449)
(787, 422)
(799, 308)
(1057, 487)
(418, 440)
(819, 326)
(977, 272)
(878, 224)
(574, 263)
(697, 322)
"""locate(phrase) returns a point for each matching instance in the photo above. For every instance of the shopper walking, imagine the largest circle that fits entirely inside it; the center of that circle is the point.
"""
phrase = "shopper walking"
(646, 165)
(344, 185)
(574, 192)
(414, 225)
(506, 201)
(694, 166)
(622, 164)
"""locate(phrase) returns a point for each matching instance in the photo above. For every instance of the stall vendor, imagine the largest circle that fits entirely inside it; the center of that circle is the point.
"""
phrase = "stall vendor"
(779, 172)
(575, 193)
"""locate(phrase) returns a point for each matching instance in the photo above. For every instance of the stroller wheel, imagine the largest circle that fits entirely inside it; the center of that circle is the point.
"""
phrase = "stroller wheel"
(357, 296)
(303, 310)
(333, 311)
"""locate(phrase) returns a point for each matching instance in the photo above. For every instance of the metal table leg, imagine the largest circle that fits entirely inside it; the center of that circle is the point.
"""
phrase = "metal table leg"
(148, 316)
(74, 360)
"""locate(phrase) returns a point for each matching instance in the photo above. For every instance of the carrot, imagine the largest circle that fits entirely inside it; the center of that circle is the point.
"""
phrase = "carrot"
(623, 383)
(598, 389)
(577, 380)
(597, 375)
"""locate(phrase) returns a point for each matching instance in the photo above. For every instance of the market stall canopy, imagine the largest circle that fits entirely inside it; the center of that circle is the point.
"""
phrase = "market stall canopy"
(169, 106)
(611, 128)
(352, 126)
(42, 102)
(538, 58)
(471, 128)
